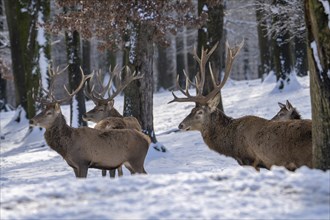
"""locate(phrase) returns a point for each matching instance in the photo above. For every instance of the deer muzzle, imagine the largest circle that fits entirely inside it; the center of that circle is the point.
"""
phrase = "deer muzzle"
(182, 126)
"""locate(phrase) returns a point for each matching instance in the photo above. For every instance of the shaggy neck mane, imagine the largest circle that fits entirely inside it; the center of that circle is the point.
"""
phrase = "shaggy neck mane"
(55, 135)
(214, 131)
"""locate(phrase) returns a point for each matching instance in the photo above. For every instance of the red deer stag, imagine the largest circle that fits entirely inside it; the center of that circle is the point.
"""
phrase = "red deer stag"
(250, 140)
(104, 113)
(83, 148)
(287, 112)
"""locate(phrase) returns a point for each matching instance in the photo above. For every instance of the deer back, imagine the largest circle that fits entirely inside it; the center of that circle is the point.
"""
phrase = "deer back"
(111, 123)
(285, 143)
(132, 123)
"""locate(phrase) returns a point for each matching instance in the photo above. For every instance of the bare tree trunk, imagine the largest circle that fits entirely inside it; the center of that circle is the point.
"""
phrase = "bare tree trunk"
(283, 63)
(3, 83)
(22, 19)
(77, 104)
(318, 26)
(210, 35)
(86, 56)
(164, 80)
(264, 42)
(301, 56)
(139, 94)
(179, 59)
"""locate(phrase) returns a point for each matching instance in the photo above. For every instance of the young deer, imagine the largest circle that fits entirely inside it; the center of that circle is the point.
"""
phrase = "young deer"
(104, 113)
(287, 112)
(250, 140)
(83, 148)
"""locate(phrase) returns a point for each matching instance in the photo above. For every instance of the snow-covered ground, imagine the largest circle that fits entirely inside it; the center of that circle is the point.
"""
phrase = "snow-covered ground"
(187, 182)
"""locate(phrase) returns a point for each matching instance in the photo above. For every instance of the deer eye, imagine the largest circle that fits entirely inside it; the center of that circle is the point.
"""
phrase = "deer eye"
(48, 113)
(199, 112)
(101, 110)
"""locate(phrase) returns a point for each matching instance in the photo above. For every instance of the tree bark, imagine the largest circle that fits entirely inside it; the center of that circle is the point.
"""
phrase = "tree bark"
(264, 42)
(22, 19)
(208, 36)
(283, 62)
(3, 83)
(319, 66)
(301, 56)
(138, 101)
(77, 105)
(86, 56)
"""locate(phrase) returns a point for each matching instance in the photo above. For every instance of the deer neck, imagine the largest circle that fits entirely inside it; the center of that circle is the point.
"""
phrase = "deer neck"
(58, 135)
(217, 133)
(114, 113)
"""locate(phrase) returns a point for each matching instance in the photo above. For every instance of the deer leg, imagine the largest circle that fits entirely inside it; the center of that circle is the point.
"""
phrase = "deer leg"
(129, 167)
(112, 173)
(82, 172)
(104, 173)
(120, 170)
(255, 165)
(138, 167)
(75, 170)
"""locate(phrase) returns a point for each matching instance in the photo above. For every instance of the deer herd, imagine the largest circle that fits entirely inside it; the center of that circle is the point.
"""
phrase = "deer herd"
(285, 140)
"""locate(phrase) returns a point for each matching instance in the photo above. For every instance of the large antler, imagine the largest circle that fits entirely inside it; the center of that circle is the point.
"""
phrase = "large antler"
(98, 97)
(200, 77)
(50, 97)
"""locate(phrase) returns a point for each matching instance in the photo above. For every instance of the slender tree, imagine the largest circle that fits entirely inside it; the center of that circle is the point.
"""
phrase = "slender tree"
(210, 34)
(282, 21)
(3, 84)
(77, 105)
(283, 63)
(27, 40)
(263, 39)
(318, 26)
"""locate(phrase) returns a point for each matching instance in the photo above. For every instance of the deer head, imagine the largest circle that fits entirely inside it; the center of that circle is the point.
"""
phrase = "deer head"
(104, 107)
(52, 108)
(205, 104)
(287, 112)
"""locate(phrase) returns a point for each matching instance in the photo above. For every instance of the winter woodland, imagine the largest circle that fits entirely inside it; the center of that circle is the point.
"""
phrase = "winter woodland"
(189, 88)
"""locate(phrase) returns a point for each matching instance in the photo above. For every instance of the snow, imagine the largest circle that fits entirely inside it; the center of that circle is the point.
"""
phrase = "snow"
(132, 45)
(75, 113)
(188, 181)
(316, 58)
(326, 7)
(205, 8)
(42, 42)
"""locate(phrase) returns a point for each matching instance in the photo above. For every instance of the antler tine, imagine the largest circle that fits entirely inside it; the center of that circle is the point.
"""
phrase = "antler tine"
(40, 99)
(200, 77)
(205, 55)
(232, 52)
(53, 73)
(81, 84)
(186, 92)
(131, 77)
(50, 98)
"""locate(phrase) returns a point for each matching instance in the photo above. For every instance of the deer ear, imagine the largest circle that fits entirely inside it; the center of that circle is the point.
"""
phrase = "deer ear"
(281, 105)
(111, 103)
(213, 103)
(288, 105)
(57, 108)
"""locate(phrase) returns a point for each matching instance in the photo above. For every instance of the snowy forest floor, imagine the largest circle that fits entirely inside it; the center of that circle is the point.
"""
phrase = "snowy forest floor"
(189, 181)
